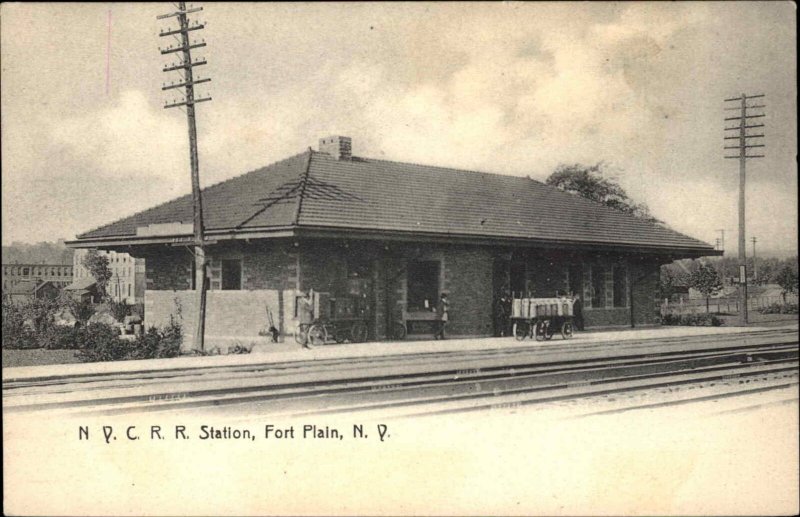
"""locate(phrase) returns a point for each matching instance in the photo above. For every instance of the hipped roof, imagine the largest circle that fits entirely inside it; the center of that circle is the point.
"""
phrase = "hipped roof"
(312, 190)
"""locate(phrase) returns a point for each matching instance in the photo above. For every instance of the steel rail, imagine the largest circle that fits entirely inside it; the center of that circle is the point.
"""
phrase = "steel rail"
(402, 371)
(10, 383)
(368, 387)
(465, 369)
(470, 402)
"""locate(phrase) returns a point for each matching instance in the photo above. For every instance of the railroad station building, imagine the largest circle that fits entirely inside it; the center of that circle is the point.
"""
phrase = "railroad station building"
(381, 240)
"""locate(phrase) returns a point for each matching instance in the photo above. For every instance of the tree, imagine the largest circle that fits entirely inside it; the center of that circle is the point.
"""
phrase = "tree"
(97, 265)
(706, 280)
(787, 279)
(588, 181)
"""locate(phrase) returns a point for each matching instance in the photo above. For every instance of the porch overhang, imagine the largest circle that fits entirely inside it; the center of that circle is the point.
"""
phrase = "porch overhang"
(666, 252)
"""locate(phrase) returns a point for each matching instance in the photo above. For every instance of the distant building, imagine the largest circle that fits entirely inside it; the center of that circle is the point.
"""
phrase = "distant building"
(60, 275)
(26, 290)
(127, 281)
(83, 290)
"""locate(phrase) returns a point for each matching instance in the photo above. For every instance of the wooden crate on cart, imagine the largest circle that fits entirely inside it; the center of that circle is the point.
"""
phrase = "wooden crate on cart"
(541, 318)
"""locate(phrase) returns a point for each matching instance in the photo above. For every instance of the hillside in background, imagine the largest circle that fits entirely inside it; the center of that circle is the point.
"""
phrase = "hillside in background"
(41, 252)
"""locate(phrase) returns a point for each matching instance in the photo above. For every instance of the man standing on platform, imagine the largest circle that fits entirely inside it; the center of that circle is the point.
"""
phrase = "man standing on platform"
(442, 317)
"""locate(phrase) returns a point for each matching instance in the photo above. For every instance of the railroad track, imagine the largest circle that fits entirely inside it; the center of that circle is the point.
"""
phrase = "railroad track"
(70, 382)
(430, 383)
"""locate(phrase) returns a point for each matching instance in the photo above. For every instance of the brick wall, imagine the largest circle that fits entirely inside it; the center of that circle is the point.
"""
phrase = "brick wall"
(264, 266)
(618, 316)
(168, 268)
(644, 293)
(468, 282)
(272, 274)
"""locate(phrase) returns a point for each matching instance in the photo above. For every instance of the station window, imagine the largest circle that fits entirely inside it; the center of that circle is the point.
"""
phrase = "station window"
(575, 277)
(598, 287)
(620, 286)
(231, 274)
(423, 284)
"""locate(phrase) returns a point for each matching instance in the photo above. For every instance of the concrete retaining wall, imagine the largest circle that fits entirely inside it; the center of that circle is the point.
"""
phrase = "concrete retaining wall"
(239, 314)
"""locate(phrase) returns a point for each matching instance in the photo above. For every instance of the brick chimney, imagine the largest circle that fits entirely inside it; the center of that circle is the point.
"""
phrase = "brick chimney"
(340, 147)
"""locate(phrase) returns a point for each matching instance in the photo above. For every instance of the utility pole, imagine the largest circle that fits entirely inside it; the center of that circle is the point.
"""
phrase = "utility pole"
(745, 142)
(721, 242)
(187, 82)
(755, 268)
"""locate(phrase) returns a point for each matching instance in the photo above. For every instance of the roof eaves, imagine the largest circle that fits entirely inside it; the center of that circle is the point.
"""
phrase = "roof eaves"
(405, 235)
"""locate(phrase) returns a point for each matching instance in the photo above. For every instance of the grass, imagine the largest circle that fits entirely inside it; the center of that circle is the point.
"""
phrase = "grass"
(37, 357)
(756, 319)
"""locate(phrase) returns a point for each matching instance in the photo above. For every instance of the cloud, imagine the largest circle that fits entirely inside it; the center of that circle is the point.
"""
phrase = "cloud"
(130, 138)
(515, 88)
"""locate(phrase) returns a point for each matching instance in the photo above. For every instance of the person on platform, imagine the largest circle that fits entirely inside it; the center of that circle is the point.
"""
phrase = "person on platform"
(577, 312)
(501, 317)
(442, 316)
(305, 314)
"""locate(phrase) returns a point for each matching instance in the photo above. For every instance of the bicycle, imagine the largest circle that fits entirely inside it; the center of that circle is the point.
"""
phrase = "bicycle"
(320, 332)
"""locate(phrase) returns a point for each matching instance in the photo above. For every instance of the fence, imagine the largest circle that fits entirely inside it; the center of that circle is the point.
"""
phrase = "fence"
(723, 305)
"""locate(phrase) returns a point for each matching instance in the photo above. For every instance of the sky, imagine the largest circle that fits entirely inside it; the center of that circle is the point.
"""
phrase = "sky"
(512, 88)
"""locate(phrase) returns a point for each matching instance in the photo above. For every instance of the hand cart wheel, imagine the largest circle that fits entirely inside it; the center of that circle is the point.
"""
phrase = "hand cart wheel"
(339, 334)
(566, 330)
(358, 332)
(317, 335)
(521, 330)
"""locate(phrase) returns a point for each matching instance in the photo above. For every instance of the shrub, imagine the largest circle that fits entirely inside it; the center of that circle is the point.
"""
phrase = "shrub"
(101, 342)
(16, 334)
(779, 308)
(22, 323)
(83, 311)
(59, 337)
(119, 310)
(158, 343)
(694, 320)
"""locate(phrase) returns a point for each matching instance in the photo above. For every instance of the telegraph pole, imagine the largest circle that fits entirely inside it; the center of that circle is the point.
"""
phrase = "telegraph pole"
(755, 269)
(187, 82)
(721, 243)
(745, 142)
